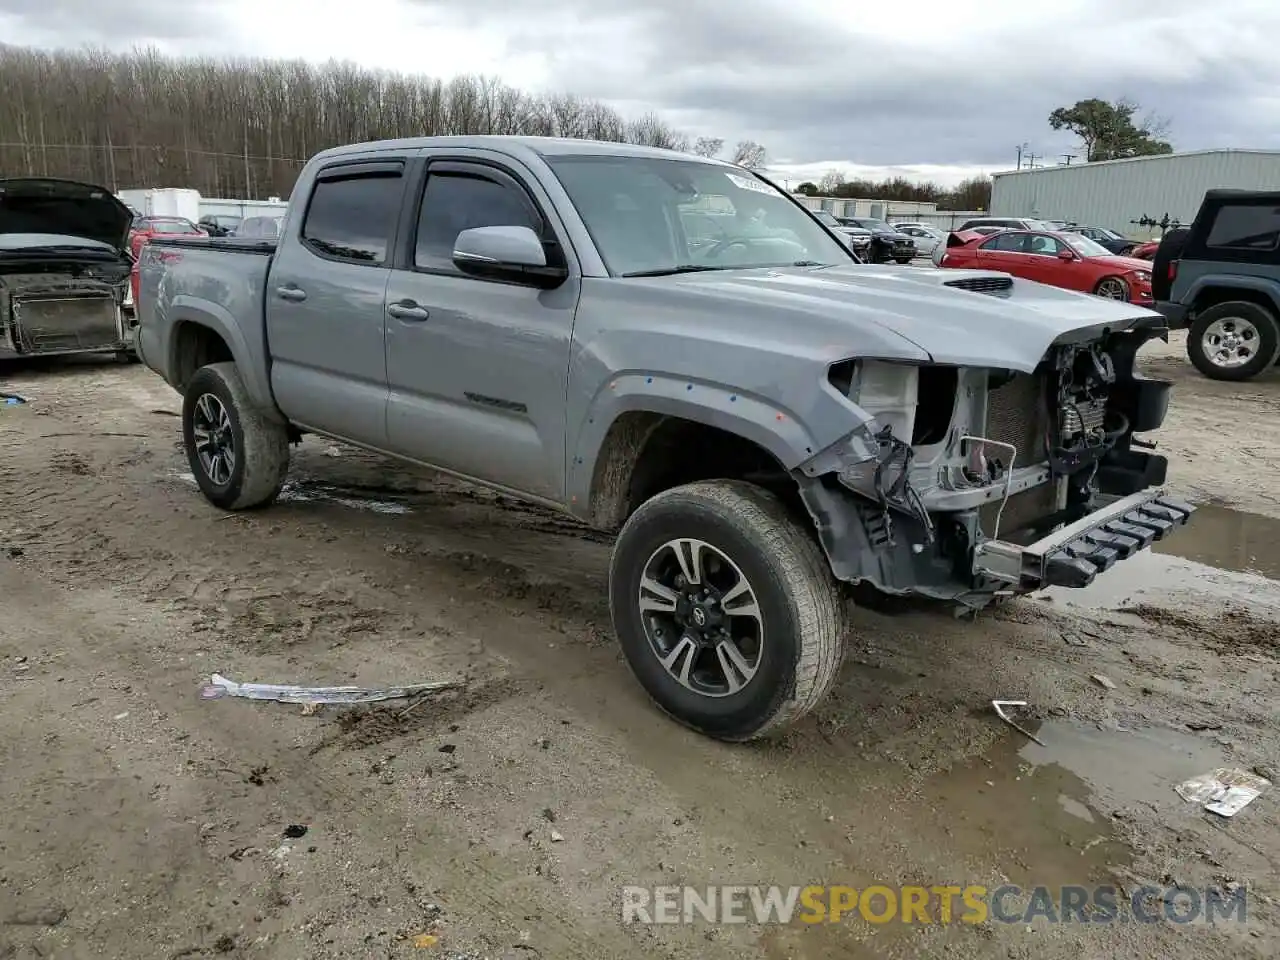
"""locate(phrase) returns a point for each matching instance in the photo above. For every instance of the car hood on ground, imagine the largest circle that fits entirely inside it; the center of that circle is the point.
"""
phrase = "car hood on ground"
(42, 205)
(1011, 331)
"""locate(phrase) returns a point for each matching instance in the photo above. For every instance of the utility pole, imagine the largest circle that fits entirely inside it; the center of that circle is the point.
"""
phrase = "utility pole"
(1068, 157)
(1031, 161)
(1021, 148)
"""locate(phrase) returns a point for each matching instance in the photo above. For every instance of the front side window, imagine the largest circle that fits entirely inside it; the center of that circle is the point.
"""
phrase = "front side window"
(635, 210)
(1246, 227)
(352, 217)
(454, 202)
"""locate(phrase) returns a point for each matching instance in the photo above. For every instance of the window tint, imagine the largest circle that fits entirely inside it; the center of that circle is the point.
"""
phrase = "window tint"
(455, 202)
(1250, 227)
(352, 218)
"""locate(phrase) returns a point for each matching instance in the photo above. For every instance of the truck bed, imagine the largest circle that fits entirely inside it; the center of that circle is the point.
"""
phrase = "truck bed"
(231, 292)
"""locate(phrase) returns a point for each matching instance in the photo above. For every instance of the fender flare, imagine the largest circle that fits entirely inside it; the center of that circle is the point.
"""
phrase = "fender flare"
(184, 309)
(762, 422)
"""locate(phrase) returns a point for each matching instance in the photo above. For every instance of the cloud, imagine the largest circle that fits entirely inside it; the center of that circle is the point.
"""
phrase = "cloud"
(927, 89)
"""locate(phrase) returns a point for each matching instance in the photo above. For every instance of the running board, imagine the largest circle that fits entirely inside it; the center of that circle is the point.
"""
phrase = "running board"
(1076, 554)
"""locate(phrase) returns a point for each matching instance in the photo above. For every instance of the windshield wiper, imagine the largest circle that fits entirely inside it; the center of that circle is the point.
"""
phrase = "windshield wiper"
(669, 271)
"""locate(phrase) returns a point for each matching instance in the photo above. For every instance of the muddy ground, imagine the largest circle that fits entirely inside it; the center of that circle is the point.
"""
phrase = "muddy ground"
(502, 820)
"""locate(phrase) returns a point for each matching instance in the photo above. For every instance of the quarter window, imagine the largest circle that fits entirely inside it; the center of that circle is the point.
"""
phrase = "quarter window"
(1246, 227)
(454, 202)
(352, 218)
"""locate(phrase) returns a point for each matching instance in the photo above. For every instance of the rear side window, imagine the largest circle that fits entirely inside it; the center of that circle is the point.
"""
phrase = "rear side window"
(453, 202)
(1246, 227)
(352, 218)
(1008, 242)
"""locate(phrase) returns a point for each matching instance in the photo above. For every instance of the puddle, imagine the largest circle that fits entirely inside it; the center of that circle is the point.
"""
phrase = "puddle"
(1226, 554)
(310, 491)
(1044, 814)
(1229, 540)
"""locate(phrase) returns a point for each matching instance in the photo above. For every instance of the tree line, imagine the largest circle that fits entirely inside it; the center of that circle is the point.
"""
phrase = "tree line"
(244, 128)
(971, 194)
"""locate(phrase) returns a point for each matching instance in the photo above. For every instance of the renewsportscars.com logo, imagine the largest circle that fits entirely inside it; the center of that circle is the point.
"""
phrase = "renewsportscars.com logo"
(973, 904)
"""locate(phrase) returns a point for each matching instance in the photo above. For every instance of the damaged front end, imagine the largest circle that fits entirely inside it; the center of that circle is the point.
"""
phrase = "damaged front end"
(63, 310)
(966, 483)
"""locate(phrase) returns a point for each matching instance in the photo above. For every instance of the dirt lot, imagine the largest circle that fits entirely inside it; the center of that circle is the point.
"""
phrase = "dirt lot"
(502, 820)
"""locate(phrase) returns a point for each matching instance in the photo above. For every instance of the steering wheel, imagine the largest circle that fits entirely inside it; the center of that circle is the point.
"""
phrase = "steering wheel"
(720, 246)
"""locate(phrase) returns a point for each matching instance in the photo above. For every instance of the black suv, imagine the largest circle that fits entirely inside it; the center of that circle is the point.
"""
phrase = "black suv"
(886, 242)
(1220, 278)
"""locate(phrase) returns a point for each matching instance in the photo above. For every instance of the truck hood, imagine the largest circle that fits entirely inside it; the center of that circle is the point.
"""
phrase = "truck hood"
(65, 208)
(1009, 330)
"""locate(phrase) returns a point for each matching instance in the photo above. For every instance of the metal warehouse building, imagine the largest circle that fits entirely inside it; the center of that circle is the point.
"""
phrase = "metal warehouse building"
(1116, 193)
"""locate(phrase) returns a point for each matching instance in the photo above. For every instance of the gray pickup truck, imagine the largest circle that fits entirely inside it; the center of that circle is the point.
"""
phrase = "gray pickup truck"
(758, 417)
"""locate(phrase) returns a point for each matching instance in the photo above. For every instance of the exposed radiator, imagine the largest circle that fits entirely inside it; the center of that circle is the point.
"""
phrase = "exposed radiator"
(46, 324)
(1022, 509)
(1015, 415)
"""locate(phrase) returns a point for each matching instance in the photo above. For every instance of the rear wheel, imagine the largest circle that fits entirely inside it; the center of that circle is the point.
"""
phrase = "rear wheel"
(1112, 288)
(239, 457)
(1233, 341)
(725, 609)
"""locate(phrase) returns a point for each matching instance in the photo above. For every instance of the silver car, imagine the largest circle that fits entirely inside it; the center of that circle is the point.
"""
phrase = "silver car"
(926, 236)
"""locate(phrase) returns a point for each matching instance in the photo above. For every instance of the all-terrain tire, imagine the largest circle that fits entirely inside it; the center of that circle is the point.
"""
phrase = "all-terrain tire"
(802, 611)
(260, 445)
(1263, 321)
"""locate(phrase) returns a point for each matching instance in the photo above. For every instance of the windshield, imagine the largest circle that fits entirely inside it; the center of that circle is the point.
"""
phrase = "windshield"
(826, 217)
(652, 216)
(873, 224)
(1086, 247)
(167, 226)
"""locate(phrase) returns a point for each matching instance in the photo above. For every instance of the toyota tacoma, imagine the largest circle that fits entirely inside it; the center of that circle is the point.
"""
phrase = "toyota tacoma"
(760, 419)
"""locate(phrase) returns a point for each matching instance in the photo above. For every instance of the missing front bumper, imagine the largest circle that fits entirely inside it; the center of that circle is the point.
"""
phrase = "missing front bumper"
(1076, 554)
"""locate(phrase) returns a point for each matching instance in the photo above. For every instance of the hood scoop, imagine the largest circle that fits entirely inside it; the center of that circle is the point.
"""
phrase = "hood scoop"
(996, 286)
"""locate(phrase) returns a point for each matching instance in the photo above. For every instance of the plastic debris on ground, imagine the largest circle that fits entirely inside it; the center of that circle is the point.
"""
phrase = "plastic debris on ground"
(1225, 791)
(10, 399)
(219, 686)
(999, 706)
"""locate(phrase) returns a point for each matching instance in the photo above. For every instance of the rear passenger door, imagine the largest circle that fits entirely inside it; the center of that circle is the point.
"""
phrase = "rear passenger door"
(324, 300)
(478, 369)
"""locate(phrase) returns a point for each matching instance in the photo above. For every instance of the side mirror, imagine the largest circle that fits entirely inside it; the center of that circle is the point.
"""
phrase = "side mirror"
(513, 254)
(1065, 254)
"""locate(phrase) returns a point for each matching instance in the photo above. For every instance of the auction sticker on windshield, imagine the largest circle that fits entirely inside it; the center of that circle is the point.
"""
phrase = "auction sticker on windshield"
(747, 183)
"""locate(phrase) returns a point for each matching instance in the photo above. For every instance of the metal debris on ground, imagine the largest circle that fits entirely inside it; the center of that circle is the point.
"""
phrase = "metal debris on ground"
(999, 706)
(1225, 791)
(219, 686)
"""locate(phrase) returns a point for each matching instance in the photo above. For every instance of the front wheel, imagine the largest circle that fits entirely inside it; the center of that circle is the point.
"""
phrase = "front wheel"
(1112, 288)
(725, 609)
(903, 260)
(239, 457)
(1233, 341)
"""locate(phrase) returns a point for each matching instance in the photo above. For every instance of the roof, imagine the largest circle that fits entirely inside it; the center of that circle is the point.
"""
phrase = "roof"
(1157, 156)
(538, 146)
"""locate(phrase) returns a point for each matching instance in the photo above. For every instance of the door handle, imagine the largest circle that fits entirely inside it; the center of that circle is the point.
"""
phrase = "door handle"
(407, 310)
(296, 294)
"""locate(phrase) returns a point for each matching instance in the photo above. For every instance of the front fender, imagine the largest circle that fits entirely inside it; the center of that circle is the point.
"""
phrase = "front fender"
(759, 420)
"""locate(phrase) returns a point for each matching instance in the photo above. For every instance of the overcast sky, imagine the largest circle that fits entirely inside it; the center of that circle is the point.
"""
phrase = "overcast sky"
(936, 90)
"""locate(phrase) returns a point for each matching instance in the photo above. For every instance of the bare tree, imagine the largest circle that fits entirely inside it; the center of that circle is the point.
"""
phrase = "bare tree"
(749, 154)
(831, 182)
(245, 127)
(708, 146)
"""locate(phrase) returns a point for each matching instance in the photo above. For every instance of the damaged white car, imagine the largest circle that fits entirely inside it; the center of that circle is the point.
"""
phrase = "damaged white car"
(64, 269)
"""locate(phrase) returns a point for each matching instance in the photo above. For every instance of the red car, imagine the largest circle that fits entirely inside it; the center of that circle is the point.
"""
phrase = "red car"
(1145, 251)
(1065, 260)
(142, 230)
